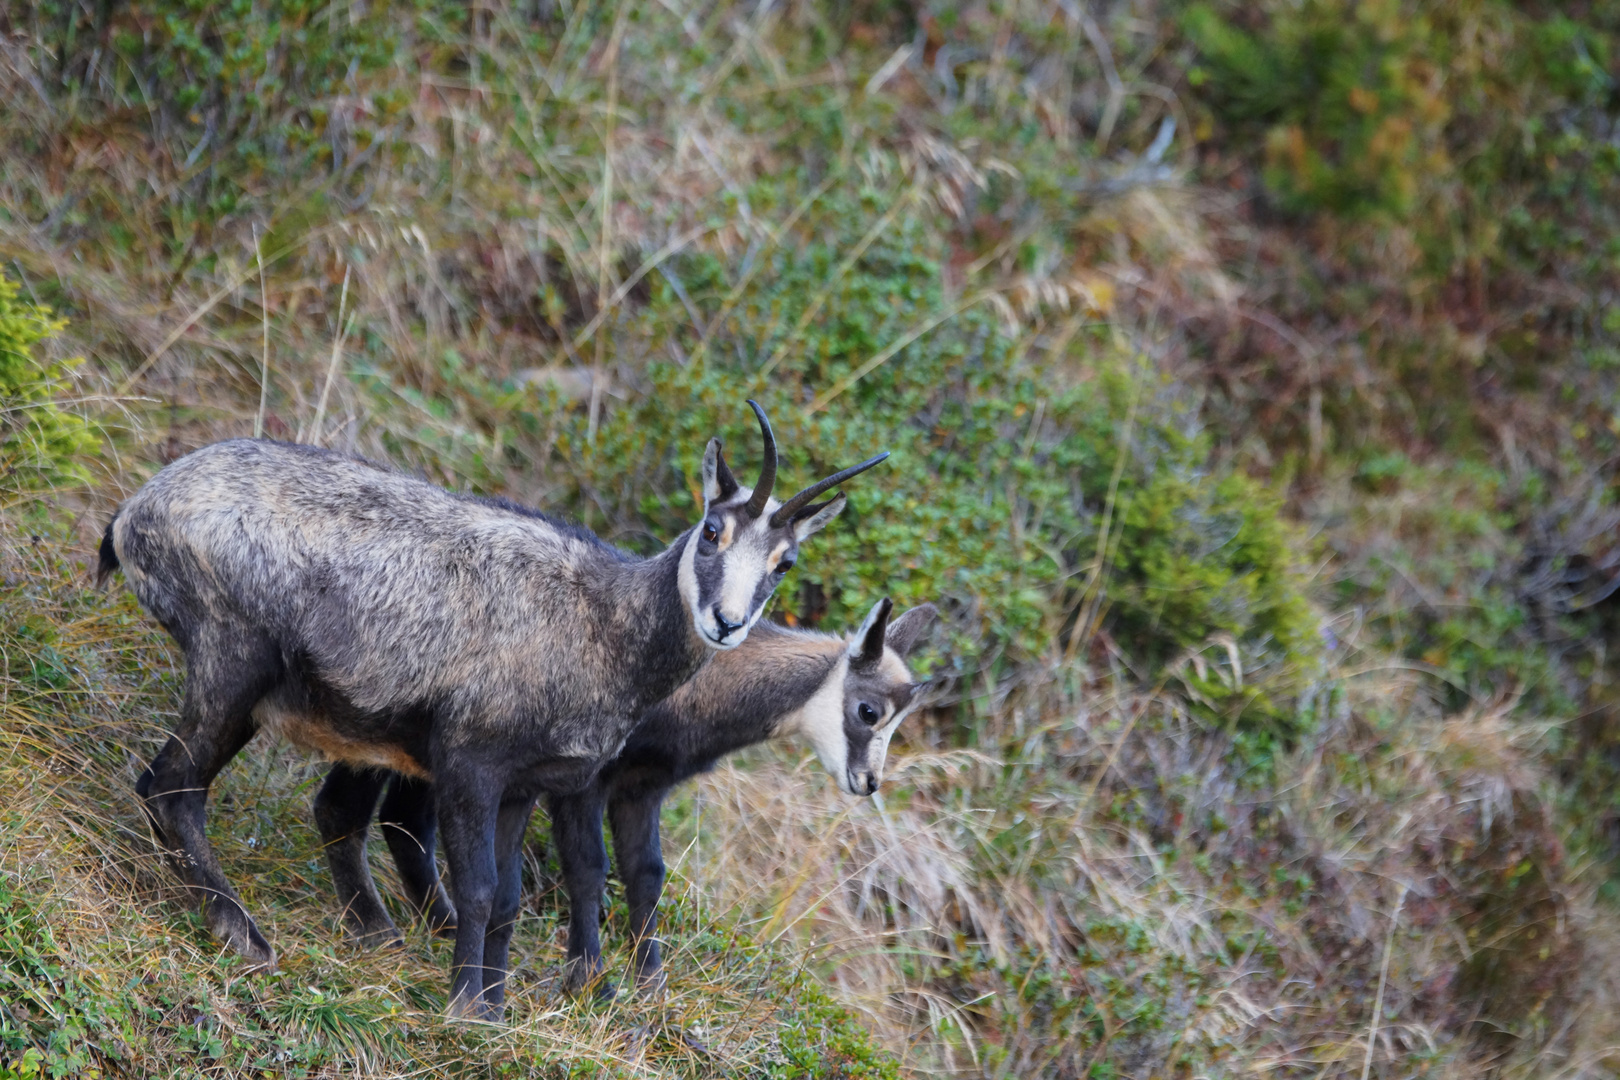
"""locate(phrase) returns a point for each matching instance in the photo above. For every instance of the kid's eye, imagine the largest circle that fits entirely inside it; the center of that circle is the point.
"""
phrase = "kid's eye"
(867, 714)
(710, 533)
(784, 566)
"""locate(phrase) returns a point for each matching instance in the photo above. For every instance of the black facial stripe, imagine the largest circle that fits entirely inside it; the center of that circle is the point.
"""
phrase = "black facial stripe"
(709, 573)
(859, 738)
(767, 586)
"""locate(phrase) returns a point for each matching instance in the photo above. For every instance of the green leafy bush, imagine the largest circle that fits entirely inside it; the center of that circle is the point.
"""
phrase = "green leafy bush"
(1003, 469)
(40, 442)
(253, 88)
(1346, 92)
(1482, 126)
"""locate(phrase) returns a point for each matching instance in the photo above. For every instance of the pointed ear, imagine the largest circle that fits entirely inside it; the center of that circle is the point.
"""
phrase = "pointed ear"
(718, 483)
(866, 646)
(812, 519)
(908, 629)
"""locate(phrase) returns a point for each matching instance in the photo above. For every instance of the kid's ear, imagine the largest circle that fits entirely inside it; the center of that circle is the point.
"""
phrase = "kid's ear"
(908, 629)
(866, 646)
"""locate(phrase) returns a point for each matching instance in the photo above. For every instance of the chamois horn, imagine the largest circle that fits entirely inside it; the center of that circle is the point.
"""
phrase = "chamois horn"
(789, 511)
(767, 471)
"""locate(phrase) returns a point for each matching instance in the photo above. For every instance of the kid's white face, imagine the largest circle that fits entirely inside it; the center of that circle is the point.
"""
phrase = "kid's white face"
(848, 746)
(820, 722)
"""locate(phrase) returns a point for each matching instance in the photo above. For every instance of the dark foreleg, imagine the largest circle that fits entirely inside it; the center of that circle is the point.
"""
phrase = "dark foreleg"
(343, 814)
(634, 820)
(410, 826)
(226, 674)
(576, 833)
(510, 826)
(468, 806)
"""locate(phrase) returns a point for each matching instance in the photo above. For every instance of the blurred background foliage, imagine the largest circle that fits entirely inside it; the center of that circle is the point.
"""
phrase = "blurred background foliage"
(1250, 371)
(42, 444)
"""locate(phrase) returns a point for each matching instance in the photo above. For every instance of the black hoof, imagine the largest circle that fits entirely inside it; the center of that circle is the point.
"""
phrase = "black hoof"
(582, 982)
(441, 921)
(651, 985)
(238, 933)
(382, 937)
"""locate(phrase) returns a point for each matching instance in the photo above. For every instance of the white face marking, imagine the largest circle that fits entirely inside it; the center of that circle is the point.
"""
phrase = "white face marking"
(743, 566)
(702, 621)
(894, 670)
(820, 722)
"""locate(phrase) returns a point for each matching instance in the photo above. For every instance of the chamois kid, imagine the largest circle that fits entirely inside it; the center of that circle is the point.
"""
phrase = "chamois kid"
(383, 621)
(846, 696)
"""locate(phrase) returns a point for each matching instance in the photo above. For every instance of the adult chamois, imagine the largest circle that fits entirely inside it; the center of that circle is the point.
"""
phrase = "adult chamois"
(386, 622)
(845, 696)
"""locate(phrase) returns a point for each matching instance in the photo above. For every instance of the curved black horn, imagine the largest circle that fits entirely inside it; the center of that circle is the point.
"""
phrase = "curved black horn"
(767, 471)
(789, 510)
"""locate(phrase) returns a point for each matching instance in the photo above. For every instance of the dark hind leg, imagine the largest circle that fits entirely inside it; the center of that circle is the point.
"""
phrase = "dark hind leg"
(576, 833)
(510, 825)
(226, 674)
(410, 826)
(634, 819)
(343, 814)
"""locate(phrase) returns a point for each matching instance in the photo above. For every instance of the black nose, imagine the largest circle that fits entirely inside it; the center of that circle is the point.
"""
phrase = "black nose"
(725, 627)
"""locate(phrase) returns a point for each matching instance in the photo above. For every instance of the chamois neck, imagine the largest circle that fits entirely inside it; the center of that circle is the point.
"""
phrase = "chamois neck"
(759, 684)
(737, 699)
(663, 649)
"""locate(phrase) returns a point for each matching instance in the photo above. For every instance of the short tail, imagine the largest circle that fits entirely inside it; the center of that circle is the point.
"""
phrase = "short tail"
(109, 556)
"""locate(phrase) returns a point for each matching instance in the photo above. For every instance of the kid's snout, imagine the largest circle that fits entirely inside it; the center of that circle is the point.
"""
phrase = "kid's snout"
(862, 781)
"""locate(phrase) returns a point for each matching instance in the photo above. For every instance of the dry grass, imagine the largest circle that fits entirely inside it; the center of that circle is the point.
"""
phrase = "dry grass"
(102, 962)
(1403, 857)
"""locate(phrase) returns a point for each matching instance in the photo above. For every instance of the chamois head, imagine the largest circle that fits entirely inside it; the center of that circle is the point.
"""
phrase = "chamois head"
(747, 540)
(856, 714)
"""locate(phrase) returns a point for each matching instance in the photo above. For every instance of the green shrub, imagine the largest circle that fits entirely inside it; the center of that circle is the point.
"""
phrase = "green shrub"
(259, 87)
(1344, 92)
(1479, 125)
(1002, 473)
(40, 442)
(1210, 561)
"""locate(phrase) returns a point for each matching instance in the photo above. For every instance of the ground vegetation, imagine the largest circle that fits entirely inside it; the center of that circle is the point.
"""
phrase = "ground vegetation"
(1251, 376)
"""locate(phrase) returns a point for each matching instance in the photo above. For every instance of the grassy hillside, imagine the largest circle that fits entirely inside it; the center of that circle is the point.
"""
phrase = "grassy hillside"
(1250, 376)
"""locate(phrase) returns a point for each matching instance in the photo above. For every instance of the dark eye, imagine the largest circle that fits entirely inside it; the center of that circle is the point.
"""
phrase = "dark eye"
(868, 715)
(710, 533)
(784, 566)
